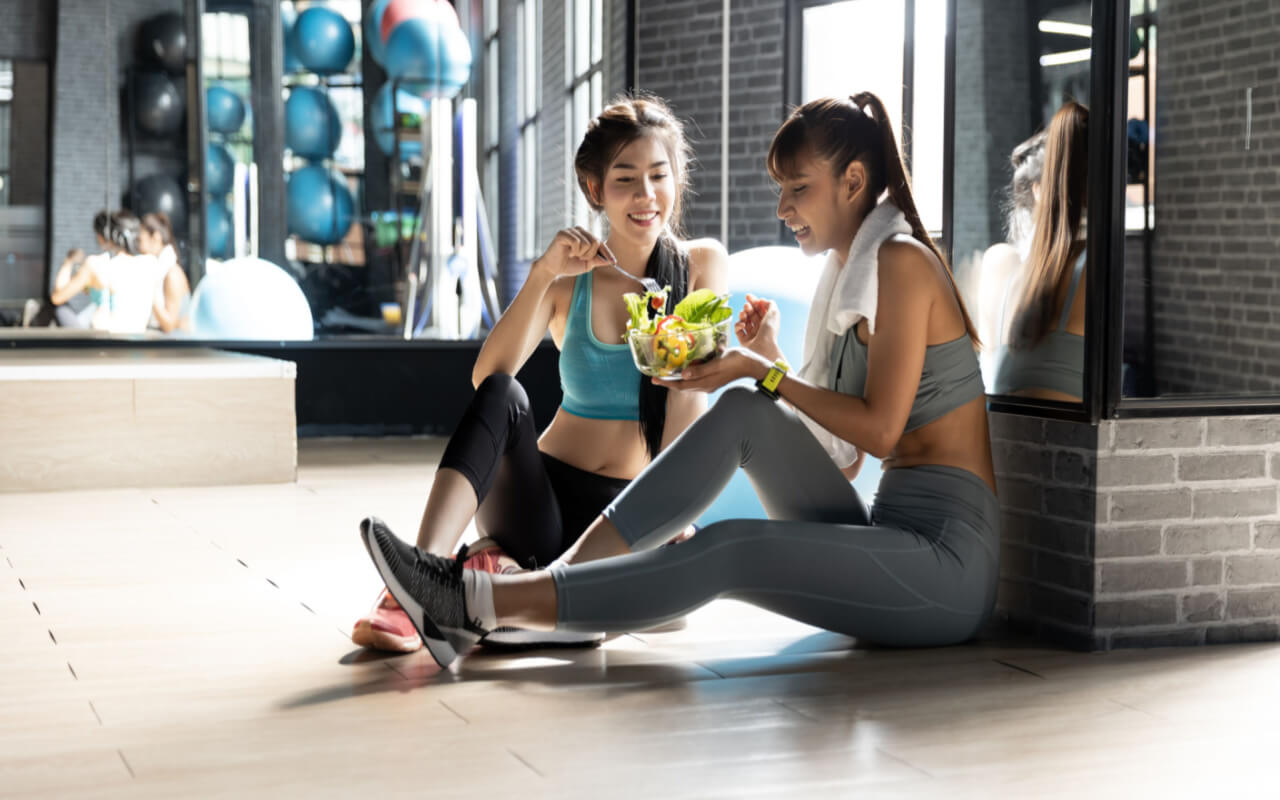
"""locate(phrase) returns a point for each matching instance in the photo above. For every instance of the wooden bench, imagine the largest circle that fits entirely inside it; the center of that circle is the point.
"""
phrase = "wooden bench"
(85, 418)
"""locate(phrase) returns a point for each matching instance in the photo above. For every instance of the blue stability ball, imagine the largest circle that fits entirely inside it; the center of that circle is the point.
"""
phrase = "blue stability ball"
(219, 169)
(287, 19)
(322, 40)
(225, 109)
(248, 298)
(218, 228)
(373, 31)
(311, 125)
(789, 278)
(320, 205)
(430, 55)
(383, 118)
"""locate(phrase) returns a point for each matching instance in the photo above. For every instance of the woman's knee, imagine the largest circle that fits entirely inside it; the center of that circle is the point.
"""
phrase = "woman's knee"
(502, 389)
(744, 403)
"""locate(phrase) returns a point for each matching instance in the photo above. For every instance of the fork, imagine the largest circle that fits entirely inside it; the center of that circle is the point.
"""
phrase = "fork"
(648, 283)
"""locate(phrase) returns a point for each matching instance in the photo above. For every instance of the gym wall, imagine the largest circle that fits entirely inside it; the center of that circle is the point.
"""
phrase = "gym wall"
(87, 132)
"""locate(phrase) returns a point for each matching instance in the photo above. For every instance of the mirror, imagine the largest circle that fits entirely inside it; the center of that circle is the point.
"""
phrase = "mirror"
(1201, 172)
(1020, 185)
(24, 185)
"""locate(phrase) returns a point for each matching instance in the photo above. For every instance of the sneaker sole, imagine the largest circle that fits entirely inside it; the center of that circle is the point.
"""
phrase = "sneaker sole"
(520, 638)
(436, 642)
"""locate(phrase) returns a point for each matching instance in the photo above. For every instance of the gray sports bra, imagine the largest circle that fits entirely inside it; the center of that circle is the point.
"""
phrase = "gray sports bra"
(950, 377)
(1056, 362)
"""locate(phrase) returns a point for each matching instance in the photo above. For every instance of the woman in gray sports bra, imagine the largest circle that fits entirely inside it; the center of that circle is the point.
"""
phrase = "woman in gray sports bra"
(1038, 355)
(917, 568)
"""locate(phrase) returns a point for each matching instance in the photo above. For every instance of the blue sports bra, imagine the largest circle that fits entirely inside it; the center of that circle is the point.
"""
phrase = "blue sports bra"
(1056, 362)
(599, 380)
(950, 377)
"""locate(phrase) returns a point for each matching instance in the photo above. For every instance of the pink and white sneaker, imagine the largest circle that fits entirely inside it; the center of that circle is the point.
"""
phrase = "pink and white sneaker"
(386, 627)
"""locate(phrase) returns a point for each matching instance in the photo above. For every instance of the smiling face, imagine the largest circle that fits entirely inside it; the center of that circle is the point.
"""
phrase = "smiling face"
(639, 191)
(819, 205)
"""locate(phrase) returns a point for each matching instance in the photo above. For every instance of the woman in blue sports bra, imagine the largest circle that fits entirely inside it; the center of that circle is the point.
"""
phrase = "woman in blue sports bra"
(890, 368)
(1042, 345)
(532, 496)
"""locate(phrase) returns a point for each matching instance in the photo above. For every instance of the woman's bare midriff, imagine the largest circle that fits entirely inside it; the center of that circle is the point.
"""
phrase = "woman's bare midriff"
(609, 447)
(960, 439)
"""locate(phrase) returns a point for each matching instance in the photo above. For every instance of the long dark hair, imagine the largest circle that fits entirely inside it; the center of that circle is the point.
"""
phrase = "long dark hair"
(622, 122)
(1055, 243)
(843, 130)
(157, 224)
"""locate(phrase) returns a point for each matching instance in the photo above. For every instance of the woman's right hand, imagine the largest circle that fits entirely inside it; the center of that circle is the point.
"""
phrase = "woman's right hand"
(757, 327)
(572, 252)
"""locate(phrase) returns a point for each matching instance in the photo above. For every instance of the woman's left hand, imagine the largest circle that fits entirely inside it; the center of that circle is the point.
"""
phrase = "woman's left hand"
(729, 366)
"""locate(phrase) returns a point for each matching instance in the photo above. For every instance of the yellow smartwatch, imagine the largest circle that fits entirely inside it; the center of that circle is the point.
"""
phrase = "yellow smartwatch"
(769, 383)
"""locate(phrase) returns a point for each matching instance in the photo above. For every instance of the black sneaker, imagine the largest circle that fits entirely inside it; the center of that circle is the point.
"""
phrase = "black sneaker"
(428, 587)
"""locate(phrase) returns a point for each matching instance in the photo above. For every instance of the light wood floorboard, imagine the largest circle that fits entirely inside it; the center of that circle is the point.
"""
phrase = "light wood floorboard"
(193, 642)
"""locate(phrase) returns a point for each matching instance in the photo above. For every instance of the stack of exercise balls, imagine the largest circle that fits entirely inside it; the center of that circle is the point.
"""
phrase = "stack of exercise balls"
(225, 111)
(319, 204)
(421, 45)
(159, 110)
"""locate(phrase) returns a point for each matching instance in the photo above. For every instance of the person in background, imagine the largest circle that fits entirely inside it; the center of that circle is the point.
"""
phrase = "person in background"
(173, 290)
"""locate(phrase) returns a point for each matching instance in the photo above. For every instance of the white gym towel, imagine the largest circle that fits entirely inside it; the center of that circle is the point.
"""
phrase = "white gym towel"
(846, 293)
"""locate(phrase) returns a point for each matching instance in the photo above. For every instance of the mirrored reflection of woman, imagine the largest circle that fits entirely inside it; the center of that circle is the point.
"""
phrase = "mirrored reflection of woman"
(1041, 351)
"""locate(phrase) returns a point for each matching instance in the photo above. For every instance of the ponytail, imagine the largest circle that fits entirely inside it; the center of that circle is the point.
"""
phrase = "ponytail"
(1055, 239)
(897, 183)
(123, 228)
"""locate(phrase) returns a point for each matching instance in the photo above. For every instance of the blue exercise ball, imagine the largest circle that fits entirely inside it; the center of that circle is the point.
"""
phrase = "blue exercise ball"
(225, 109)
(320, 207)
(311, 125)
(218, 228)
(372, 31)
(429, 55)
(322, 40)
(219, 169)
(248, 298)
(383, 118)
(789, 278)
(287, 19)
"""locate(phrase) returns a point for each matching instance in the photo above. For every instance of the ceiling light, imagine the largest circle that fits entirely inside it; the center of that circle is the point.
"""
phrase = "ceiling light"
(1065, 28)
(1065, 57)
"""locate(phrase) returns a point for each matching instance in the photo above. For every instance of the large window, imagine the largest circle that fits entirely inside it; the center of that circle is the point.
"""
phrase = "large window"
(490, 116)
(528, 18)
(902, 62)
(584, 79)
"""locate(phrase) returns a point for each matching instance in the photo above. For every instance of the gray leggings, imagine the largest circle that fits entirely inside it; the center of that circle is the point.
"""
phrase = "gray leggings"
(918, 569)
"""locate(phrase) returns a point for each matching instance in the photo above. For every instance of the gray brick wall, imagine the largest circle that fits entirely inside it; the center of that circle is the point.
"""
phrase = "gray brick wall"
(679, 44)
(1045, 472)
(993, 114)
(554, 180)
(1217, 204)
(1140, 533)
(88, 141)
(1188, 534)
(27, 29)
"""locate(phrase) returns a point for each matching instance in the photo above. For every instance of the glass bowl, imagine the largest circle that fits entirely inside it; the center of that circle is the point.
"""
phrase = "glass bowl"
(665, 354)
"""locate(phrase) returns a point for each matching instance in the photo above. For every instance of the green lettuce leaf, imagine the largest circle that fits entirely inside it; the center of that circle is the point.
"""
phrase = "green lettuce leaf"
(697, 308)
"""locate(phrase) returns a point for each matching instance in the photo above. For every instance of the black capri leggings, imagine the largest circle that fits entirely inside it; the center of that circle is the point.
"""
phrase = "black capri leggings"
(534, 506)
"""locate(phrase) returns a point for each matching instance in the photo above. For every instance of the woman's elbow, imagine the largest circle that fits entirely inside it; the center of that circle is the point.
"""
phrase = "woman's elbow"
(882, 442)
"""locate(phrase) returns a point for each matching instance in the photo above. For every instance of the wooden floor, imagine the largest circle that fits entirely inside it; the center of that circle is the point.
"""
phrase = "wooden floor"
(193, 643)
